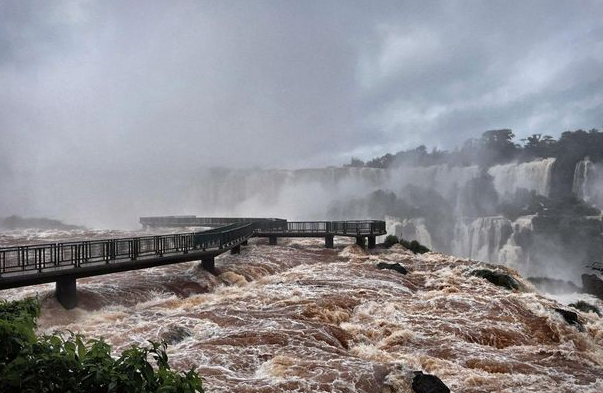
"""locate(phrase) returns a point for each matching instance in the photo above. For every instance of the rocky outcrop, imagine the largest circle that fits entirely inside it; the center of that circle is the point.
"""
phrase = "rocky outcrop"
(593, 285)
(570, 317)
(392, 266)
(498, 278)
(175, 333)
(426, 383)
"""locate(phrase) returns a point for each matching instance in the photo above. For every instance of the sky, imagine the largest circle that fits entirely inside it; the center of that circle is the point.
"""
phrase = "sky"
(113, 97)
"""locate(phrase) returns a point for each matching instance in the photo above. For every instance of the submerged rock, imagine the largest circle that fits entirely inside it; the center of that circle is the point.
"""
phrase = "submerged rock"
(392, 266)
(426, 383)
(585, 307)
(570, 317)
(174, 334)
(498, 278)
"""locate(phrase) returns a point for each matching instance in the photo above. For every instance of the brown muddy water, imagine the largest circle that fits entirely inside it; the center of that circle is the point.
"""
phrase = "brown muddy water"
(300, 318)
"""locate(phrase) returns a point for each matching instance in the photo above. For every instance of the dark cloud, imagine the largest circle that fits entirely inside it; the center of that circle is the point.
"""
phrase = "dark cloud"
(125, 94)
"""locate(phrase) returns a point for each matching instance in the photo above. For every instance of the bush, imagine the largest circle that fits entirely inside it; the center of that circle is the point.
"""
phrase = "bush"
(414, 246)
(56, 364)
(390, 240)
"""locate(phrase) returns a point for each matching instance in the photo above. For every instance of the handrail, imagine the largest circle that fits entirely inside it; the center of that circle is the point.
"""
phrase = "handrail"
(75, 254)
(71, 254)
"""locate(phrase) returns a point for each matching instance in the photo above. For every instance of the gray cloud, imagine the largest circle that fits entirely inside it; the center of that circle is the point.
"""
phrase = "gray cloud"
(100, 101)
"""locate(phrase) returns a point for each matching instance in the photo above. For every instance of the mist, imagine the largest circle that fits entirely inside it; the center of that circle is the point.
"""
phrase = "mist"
(110, 111)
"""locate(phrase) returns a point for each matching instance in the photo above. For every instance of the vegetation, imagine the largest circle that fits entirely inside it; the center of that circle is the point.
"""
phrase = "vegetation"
(57, 364)
(414, 246)
(390, 240)
(498, 147)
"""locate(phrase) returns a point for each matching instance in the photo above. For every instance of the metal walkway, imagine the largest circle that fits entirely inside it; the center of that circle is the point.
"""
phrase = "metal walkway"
(64, 262)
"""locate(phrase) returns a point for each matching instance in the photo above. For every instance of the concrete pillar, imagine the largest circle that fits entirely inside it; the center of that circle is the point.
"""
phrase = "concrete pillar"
(208, 264)
(236, 249)
(66, 292)
(329, 241)
(246, 242)
(272, 240)
(360, 241)
(372, 241)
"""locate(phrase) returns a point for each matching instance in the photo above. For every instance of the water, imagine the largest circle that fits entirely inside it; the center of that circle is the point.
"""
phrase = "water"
(533, 175)
(300, 318)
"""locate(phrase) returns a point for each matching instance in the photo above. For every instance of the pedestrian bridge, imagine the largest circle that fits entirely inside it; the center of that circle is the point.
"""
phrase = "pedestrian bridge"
(65, 262)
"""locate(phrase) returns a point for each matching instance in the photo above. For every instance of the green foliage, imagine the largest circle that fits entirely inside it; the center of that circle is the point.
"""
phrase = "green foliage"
(414, 246)
(57, 364)
(390, 240)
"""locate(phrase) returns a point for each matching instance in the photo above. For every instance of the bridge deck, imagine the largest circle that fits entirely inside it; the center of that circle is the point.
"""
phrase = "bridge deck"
(41, 263)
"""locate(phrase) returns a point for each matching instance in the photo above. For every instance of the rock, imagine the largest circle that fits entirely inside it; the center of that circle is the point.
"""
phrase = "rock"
(585, 307)
(174, 334)
(426, 383)
(392, 266)
(570, 317)
(592, 285)
(497, 278)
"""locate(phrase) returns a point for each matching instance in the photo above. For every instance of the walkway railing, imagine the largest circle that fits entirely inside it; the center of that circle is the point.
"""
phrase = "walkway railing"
(61, 255)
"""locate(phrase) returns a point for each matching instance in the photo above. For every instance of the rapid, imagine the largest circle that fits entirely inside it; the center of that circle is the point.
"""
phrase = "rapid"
(297, 317)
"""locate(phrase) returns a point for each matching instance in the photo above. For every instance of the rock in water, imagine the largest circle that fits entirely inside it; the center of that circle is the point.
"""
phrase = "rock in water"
(426, 383)
(392, 266)
(585, 307)
(593, 285)
(570, 317)
(497, 278)
(174, 334)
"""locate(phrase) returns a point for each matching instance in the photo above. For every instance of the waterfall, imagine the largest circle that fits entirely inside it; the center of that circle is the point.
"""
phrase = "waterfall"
(534, 175)
(306, 193)
(482, 238)
(409, 229)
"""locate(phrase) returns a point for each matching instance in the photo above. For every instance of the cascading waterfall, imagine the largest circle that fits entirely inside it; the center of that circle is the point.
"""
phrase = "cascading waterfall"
(581, 176)
(534, 175)
(307, 194)
(409, 228)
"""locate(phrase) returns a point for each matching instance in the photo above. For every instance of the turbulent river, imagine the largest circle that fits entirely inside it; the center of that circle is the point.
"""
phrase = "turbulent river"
(301, 318)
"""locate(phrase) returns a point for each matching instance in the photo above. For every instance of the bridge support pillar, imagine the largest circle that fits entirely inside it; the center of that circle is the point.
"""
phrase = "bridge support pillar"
(236, 249)
(66, 292)
(209, 264)
(272, 240)
(246, 242)
(360, 241)
(329, 241)
(372, 241)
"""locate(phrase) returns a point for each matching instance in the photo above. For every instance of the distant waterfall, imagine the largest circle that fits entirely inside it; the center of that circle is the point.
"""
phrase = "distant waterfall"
(588, 181)
(409, 229)
(482, 239)
(533, 175)
(306, 193)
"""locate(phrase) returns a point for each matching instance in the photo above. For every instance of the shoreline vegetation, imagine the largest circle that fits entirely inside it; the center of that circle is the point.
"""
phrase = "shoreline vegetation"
(55, 363)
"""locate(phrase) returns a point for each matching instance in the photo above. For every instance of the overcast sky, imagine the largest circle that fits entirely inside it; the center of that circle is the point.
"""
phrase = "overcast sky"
(116, 90)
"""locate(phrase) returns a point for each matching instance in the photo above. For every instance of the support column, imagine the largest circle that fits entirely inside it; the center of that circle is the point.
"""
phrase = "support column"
(272, 240)
(372, 241)
(360, 241)
(236, 249)
(208, 264)
(329, 241)
(66, 292)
